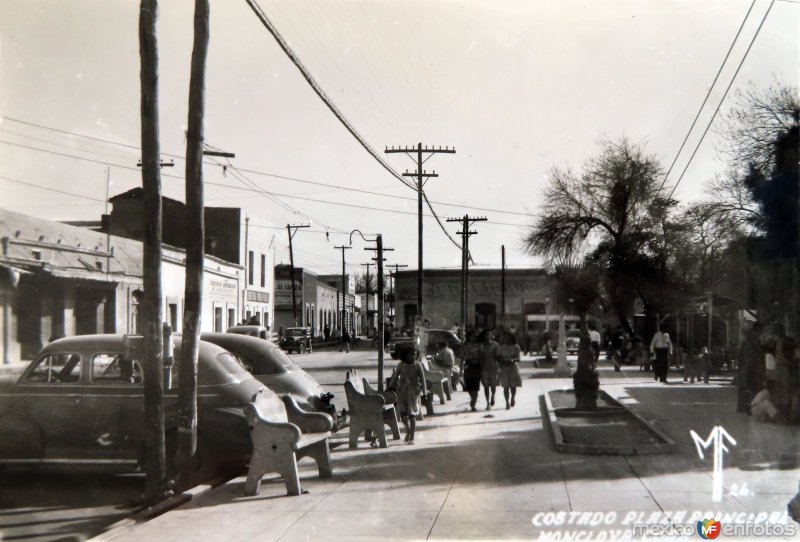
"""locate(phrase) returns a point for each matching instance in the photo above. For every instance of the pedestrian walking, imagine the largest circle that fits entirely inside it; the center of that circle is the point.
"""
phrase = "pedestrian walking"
(409, 382)
(489, 367)
(508, 354)
(594, 338)
(326, 332)
(661, 346)
(345, 345)
(471, 368)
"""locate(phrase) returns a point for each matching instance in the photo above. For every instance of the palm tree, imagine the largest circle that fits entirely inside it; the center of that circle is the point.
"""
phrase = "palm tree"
(577, 291)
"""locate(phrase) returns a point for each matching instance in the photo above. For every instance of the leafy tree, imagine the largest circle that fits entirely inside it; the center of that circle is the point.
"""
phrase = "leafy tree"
(615, 214)
(361, 283)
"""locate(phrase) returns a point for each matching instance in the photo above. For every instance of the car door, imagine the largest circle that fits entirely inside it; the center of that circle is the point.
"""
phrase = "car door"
(114, 403)
(48, 408)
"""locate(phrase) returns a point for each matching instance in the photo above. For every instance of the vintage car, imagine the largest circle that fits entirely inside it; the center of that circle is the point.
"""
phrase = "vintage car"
(272, 367)
(81, 401)
(249, 329)
(296, 339)
(435, 336)
(572, 340)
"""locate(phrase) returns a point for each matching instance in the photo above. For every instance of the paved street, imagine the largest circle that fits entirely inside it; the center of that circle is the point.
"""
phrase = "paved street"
(495, 475)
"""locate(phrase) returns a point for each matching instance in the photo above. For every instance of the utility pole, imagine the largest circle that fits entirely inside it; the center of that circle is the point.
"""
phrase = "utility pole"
(367, 289)
(381, 317)
(503, 284)
(344, 288)
(421, 175)
(465, 233)
(155, 456)
(195, 245)
(391, 291)
(292, 230)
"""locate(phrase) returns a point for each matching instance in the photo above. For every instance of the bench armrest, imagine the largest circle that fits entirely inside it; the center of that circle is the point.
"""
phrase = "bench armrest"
(308, 422)
(389, 397)
(281, 431)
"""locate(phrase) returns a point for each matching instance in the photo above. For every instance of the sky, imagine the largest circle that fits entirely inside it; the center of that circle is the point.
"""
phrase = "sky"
(517, 87)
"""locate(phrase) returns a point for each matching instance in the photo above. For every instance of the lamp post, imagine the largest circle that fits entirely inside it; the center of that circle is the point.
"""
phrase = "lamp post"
(562, 366)
(379, 257)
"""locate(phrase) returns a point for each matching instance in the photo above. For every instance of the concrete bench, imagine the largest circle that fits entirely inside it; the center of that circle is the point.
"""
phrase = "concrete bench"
(369, 410)
(282, 433)
(438, 382)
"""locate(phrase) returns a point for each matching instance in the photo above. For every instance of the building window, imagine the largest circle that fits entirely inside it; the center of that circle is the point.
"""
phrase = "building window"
(172, 314)
(263, 271)
(231, 317)
(251, 261)
(218, 319)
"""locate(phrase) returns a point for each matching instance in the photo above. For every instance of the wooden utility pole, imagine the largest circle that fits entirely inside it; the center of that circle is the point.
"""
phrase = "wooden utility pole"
(503, 283)
(155, 460)
(292, 230)
(381, 316)
(392, 291)
(195, 245)
(420, 175)
(367, 298)
(344, 287)
(465, 233)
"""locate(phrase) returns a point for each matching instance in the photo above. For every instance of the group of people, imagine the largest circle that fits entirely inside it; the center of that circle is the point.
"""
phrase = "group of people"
(485, 363)
(769, 374)
(488, 363)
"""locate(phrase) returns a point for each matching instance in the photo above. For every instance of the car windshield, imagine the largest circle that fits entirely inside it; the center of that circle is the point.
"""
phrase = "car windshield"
(295, 332)
(266, 361)
(231, 364)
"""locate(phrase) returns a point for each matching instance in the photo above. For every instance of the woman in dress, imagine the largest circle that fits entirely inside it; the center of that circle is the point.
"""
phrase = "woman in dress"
(472, 368)
(409, 381)
(508, 354)
(489, 368)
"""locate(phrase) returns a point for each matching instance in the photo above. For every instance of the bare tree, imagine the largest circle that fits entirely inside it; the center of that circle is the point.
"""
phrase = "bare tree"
(610, 212)
(756, 121)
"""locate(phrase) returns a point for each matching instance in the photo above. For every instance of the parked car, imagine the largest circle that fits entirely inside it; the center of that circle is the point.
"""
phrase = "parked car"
(271, 366)
(572, 340)
(435, 336)
(254, 331)
(296, 339)
(81, 401)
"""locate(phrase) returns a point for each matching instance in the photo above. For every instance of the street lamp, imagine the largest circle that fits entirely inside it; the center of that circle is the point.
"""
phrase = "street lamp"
(379, 248)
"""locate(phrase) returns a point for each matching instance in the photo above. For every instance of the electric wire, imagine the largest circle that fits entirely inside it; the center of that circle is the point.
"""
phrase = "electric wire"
(708, 94)
(722, 100)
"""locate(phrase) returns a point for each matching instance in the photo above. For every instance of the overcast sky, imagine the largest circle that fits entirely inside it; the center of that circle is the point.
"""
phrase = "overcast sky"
(517, 87)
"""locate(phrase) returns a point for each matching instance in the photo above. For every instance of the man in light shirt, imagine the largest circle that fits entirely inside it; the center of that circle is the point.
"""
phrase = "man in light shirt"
(661, 346)
(594, 338)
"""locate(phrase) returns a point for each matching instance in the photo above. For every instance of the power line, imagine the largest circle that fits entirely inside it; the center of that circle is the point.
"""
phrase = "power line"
(51, 189)
(318, 89)
(705, 100)
(254, 190)
(711, 120)
(252, 171)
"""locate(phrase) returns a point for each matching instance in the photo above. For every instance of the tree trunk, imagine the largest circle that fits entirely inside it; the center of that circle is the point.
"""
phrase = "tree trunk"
(155, 462)
(195, 250)
(585, 381)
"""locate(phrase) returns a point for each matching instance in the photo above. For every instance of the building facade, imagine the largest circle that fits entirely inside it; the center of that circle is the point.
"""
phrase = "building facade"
(60, 280)
(527, 291)
(230, 235)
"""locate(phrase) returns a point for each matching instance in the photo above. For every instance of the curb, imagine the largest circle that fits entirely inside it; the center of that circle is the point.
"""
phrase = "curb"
(145, 514)
(549, 413)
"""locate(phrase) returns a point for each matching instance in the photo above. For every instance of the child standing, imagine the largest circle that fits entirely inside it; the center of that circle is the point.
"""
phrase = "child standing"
(409, 381)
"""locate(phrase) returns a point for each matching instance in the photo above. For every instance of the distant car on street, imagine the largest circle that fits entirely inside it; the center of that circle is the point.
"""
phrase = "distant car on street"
(271, 366)
(254, 331)
(435, 336)
(81, 401)
(296, 339)
(573, 340)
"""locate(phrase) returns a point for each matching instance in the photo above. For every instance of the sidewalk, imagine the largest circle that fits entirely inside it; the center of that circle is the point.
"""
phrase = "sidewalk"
(495, 475)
